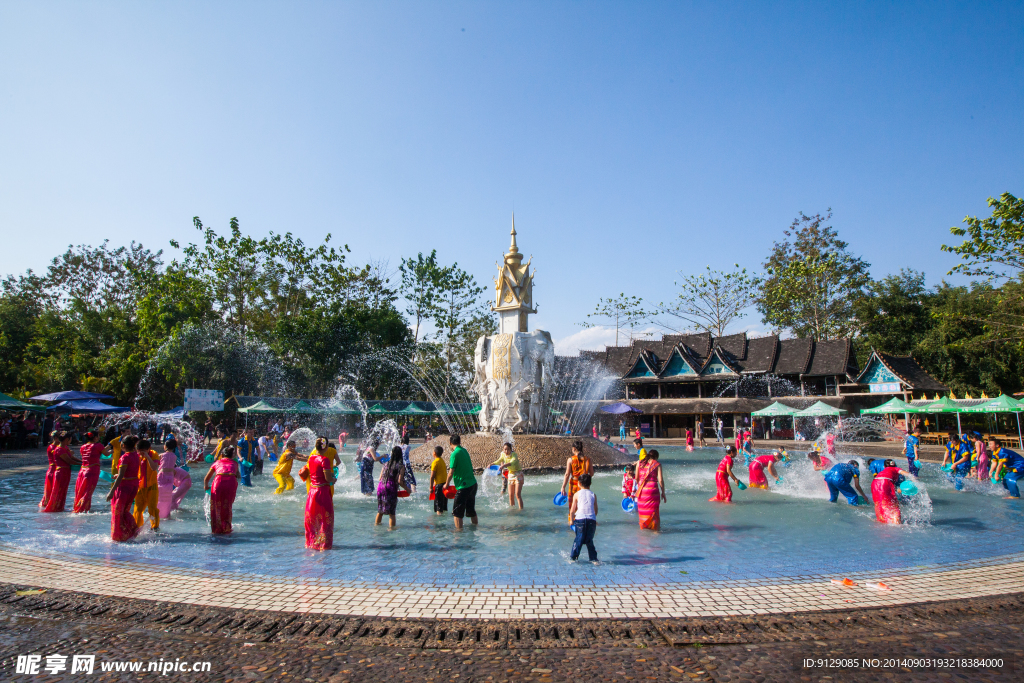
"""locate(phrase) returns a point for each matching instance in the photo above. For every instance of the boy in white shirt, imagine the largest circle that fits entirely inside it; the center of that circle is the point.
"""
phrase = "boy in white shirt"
(584, 515)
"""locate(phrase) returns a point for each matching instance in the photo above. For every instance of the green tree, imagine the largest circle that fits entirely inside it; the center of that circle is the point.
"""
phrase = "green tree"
(995, 245)
(420, 286)
(812, 281)
(894, 314)
(710, 301)
(461, 317)
(621, 311)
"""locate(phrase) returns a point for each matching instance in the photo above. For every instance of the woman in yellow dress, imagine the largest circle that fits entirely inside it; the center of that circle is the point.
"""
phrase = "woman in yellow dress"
(283, 471)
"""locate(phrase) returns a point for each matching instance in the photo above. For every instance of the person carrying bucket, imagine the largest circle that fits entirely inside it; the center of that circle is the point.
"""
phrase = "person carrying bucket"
(438, 477)
(844, 478)
(959, 456)
(883, 492)
(1003, 459)
(513, 472)
(757, 468)
(722, 476)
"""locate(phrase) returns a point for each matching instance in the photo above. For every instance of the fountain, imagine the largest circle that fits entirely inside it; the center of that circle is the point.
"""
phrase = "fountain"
(520, 386)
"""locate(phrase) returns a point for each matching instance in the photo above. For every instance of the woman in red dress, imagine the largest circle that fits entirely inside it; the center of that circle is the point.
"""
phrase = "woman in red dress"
(58, 474)
(225, 475)
(90, 472)
(724, 491)
(122, 492)
(319, 504)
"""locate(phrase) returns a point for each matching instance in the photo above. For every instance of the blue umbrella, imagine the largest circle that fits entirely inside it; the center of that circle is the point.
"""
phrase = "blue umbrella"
(69, 396)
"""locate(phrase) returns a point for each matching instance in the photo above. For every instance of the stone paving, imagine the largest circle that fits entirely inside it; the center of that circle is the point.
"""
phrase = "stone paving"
(239, 646)
(979, 578)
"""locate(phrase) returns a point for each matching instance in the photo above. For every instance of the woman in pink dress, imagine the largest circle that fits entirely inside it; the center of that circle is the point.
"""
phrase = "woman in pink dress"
(182, 483)
(224, 475)
(650, 491)
(123, 491)
(883, 493)
(689, 439)
(55, 488)
(167, 464)
(757, 467)
(724, 491)
(89, 475)
(319, 504)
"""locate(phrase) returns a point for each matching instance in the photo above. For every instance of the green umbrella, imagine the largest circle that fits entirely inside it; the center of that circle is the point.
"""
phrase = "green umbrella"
(9, 403)
(820, 409)
(1001, 404)
(775, 410)
(945, 405)
(890, 407)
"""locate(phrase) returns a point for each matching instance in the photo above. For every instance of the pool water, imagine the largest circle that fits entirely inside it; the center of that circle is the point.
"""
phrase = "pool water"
(789, 532)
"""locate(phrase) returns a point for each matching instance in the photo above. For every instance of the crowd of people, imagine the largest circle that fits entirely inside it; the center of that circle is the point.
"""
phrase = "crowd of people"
(144, 480)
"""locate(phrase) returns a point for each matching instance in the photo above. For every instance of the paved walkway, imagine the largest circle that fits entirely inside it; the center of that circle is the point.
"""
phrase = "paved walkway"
(994, 576)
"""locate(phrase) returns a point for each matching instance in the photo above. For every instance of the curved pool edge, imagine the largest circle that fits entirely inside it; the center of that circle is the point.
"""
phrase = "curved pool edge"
(116, 578)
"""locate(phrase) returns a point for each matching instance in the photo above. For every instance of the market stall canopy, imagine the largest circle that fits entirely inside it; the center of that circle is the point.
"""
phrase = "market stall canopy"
(1000, 404)
(87, 406)
(775, 410)
(819, 409)
(342, 408)
(619, 408)
(9, 403)
(69, 396)
(262, 407)
(943, 405)
(175, 414)
(891, 407)
(413, 409)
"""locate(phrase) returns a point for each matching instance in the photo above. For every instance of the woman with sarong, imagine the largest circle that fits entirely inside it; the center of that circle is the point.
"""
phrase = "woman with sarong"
(225, 476)
(165, 475)
(883, 493)
(722, 476)
(366, 459)
(85, 484)
(757, 468)
(58, 473)
(575, 466)
(650, 491)
(392, 477)
(123, 490)
(319, 504)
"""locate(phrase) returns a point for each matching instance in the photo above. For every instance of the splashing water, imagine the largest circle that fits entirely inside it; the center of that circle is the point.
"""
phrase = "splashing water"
(191, 443)
(305, 440)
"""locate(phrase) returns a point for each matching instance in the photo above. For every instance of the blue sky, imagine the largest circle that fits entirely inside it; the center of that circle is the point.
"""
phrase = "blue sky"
(632, 139)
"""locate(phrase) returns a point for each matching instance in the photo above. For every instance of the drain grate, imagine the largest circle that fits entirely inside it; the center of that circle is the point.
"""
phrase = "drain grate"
(473, 634)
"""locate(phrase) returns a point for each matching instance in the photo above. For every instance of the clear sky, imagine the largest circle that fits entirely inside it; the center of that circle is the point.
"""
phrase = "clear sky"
(632, 139)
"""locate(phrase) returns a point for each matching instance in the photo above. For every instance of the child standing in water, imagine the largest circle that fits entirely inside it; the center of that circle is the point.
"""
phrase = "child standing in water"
(584, 515)
(628, 480)
(689, 439)
(438, 476)
(509, 463)
(283, 471)
(392, 477)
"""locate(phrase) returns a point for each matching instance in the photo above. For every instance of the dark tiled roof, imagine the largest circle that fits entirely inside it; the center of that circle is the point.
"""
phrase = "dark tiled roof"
(725, 357)
(908, 370)
(764, 354)
(794, 356)
(831, 357)
(761, 353)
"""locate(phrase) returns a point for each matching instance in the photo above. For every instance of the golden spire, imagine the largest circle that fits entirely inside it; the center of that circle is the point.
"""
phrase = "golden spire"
(513, 255)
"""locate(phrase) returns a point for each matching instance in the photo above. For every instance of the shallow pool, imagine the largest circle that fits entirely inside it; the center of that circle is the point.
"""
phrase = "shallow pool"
(793, 531)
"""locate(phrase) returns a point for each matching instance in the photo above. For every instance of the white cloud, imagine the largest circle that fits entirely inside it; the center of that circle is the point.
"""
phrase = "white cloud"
(596, 338)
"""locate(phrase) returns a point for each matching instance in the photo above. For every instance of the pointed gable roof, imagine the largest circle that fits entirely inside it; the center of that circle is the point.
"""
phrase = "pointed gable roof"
(903, 368)
(681, 362)
(645, 365)
(794, 356)
(719, 355)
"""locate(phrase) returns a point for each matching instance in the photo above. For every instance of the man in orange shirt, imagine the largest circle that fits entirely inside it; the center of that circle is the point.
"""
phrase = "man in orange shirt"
(148, 491)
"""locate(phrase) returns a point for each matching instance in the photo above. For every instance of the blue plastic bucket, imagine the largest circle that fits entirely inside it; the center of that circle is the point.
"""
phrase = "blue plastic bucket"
(907, 488)
(560, 499)
(628, 505)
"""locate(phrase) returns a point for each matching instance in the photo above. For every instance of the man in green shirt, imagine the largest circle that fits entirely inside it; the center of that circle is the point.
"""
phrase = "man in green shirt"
(460, 471)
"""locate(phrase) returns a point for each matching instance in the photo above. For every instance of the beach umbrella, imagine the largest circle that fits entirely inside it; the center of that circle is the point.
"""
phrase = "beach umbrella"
(1001, 404)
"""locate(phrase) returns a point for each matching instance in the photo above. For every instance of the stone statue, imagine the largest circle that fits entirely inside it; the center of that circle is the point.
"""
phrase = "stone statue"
(513, 369)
